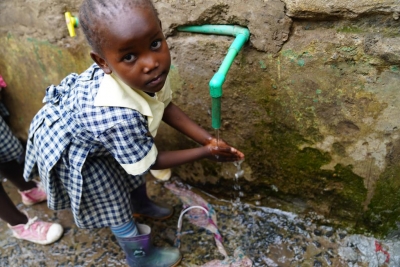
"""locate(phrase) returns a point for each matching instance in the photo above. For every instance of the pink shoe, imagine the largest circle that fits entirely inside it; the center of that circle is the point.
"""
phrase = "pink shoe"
(34, 195)
(39, 232)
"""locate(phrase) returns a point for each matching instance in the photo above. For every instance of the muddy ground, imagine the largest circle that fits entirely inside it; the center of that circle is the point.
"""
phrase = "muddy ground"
(270, 237)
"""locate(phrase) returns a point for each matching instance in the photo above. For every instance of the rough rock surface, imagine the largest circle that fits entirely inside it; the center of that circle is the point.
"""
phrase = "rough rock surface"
(312, 99)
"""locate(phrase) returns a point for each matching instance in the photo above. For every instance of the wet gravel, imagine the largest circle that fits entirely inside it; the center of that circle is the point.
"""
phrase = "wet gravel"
(270, 237)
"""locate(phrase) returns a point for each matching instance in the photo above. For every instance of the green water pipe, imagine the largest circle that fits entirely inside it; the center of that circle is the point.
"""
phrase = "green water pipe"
(242, 36)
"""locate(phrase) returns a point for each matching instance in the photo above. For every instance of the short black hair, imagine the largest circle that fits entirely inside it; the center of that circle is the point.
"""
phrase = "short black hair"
(93, 12)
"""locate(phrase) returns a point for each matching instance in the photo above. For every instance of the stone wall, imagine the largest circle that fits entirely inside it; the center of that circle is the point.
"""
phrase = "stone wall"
(312, 99)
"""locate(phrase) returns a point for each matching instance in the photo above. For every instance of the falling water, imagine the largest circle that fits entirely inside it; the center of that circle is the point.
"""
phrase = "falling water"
(236, 186)
(239, 172)
(217, 135)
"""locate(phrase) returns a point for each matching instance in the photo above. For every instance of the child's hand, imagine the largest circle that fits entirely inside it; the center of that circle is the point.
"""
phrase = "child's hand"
(221, 151)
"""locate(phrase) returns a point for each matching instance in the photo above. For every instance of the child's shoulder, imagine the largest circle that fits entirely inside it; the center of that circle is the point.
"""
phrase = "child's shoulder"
(91, 77)
(93, 74)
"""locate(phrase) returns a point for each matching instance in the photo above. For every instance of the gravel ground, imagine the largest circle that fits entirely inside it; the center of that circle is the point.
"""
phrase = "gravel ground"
(270, 237)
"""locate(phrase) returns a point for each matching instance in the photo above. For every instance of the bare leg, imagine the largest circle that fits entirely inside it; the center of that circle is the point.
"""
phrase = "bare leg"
(13, 171)
(9, 211)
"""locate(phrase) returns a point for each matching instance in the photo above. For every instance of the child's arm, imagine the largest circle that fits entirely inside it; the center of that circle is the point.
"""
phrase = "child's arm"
(212, 148)
(177, 119)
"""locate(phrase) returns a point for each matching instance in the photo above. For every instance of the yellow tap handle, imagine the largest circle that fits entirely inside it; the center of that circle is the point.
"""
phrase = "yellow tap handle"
(72, 23)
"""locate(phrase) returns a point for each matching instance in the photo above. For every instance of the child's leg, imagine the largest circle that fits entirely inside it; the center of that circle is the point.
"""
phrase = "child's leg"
(31, 192)
(9, 212)
(142, 205)
(22, 227)
(125, 230)
(11, 151)
(26, 228)
(13, 171)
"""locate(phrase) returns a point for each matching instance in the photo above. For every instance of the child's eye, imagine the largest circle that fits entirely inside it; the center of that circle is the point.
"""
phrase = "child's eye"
(156, 44)
(129, 58)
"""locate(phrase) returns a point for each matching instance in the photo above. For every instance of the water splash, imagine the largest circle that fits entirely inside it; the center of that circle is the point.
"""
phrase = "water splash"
(236, 186)
(239, 172)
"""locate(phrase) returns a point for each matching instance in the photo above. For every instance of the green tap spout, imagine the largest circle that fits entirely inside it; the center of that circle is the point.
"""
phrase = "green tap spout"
(242, 36)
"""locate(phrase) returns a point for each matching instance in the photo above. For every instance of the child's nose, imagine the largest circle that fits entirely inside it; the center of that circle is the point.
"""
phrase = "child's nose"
(149, 63)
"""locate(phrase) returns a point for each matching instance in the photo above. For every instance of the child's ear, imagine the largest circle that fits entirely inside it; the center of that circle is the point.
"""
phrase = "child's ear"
(101, 62)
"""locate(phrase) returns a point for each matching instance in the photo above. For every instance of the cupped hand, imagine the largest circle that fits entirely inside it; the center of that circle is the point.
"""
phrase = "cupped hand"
(222, 152)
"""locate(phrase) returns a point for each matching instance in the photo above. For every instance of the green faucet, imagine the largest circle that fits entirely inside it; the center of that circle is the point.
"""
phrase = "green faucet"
(242, 36)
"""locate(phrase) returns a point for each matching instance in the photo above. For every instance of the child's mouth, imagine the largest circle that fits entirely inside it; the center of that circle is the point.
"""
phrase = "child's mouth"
(156, 80)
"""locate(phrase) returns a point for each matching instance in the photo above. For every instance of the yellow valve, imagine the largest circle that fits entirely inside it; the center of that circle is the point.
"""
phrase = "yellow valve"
(72, 23)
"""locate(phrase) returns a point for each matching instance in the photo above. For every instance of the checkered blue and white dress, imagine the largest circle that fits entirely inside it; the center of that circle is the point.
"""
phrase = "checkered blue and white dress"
(10, 146)
(78, 148)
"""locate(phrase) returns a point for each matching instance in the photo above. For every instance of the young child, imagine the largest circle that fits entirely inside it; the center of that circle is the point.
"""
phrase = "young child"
(93, 141)
(11, 167)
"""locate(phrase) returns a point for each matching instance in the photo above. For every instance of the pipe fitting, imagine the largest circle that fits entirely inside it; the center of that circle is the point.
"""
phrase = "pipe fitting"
(241, 35)
(72, 23)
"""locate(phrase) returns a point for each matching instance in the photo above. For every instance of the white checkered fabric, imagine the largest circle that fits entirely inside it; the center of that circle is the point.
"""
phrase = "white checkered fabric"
(3, 110)
(10, 147)
(78, 148)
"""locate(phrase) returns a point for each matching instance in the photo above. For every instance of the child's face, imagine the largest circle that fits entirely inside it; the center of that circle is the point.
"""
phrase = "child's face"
(135, 50)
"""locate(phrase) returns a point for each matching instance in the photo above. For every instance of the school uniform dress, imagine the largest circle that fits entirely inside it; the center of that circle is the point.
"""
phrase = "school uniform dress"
(92, 143)
(10, 147)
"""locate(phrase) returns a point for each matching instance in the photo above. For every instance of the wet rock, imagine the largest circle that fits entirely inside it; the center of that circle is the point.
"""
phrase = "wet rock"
(317, 244)
(342, 235)
(329, 233)
(317, 232)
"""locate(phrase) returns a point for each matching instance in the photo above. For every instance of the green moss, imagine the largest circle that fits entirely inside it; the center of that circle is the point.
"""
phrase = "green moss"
(292, 56)
(353, 193)
(301, 62)
(384, 209)
(349, 29)
(297, 173)
(394, 68)
(348, 48)
(262, 64)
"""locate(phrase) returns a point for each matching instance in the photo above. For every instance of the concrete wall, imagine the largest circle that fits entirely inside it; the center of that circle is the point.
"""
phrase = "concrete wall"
(312, 99)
